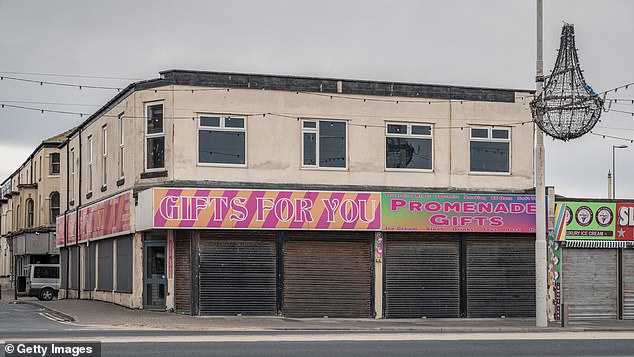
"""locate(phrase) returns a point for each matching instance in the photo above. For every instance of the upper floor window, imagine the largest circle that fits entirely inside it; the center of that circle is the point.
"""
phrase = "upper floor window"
(30, 212)
(324, 143)
(121, 144)
(104, 155)
(71, 191)
(408, 146)
(54, 170)
(155, 137)
(222, 140)
(54, 203)
(90, 163)
(490, 149)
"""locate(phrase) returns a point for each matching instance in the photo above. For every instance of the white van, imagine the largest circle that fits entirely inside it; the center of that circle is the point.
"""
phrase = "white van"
(43, 281)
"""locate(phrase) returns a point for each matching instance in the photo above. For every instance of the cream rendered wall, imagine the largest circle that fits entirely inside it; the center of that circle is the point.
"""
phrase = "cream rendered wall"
(65, 174)
(274, 142)
(46, 184)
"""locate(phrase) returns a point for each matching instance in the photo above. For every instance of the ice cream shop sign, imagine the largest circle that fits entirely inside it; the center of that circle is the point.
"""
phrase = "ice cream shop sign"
(263, 209)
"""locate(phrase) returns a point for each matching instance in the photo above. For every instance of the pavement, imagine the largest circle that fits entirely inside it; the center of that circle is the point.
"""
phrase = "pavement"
(92, 313)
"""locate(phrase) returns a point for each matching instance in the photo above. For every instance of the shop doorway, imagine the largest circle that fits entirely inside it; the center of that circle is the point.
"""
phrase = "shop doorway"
(154, 278)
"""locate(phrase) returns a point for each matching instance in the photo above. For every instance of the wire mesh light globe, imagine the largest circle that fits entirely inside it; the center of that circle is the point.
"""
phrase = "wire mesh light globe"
(567, 108)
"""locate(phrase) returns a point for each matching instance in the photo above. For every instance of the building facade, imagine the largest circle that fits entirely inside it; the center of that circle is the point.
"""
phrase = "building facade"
(5, 218)
(592, 260)
(224, 193)
(29, 206)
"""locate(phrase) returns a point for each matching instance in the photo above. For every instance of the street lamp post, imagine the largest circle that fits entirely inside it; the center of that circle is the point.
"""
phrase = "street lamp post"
(541, 288)
(614, 147)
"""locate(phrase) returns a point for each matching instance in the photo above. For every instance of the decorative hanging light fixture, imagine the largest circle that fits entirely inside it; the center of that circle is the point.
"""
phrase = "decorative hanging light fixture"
(567, 108)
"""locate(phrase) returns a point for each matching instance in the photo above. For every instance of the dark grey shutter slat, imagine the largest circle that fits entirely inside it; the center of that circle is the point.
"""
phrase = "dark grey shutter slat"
(125, 253)
(628, 284)
(590, 283)
(104, 264)
(237, 273)
(182, 273)
(327, 274)
(422, 275)
(500, 276)
(74, 267)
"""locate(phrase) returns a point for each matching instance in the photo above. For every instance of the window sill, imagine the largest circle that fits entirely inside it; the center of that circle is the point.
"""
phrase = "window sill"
(315, 168)
(212, 164)
(481, 173)
(403, 170)
(88, 195)
(153, 174)
(120, 182)
(104, 188)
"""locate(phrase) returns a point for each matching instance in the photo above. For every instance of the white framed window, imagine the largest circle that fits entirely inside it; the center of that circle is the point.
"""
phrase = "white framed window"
(408, 146)
(490, 149)
(54, 169)
(90, 165)
(154, 137)
(324, 143)
(30, 213)
(121, 145)
(71, 193)
(104, 155)
(222, 140)
(54, 204)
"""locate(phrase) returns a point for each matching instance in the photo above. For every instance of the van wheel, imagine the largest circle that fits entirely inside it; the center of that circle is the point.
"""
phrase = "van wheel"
(46, 294)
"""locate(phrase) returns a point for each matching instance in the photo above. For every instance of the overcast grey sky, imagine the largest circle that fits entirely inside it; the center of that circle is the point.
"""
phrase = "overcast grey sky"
(487, 43)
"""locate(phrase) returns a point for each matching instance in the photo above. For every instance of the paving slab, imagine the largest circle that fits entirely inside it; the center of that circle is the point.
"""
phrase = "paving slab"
(104, 314)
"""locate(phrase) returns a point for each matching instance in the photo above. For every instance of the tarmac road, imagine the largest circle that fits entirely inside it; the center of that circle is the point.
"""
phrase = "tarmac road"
(24, 323)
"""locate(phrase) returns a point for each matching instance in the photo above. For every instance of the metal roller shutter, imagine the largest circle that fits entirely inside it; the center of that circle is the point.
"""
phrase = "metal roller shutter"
(628, 284)
(237, 273)
(89, 267)
(182, 272)
(500, 276)
(327, 274)
(422, 275)
(590, 283)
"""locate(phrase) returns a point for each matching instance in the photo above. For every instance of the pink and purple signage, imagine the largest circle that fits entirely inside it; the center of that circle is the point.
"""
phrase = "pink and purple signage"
(103, 219)
(255, 209)
(436, 212)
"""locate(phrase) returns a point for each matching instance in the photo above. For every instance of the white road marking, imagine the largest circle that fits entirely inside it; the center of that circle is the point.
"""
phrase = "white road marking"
(599, 335)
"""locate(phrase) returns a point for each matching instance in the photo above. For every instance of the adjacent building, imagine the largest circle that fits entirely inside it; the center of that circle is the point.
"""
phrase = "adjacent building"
(29, 205)
(227, 193)
(591, 267)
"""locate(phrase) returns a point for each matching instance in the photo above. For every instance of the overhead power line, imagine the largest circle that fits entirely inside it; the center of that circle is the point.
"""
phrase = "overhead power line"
(604, 136)
(616, 89)
(80, 86)
(70, 75)
(263, 115)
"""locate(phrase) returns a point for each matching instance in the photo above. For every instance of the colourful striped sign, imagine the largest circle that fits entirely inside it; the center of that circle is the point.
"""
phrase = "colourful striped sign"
(253, 209)
(561, 223)
(103, 219)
